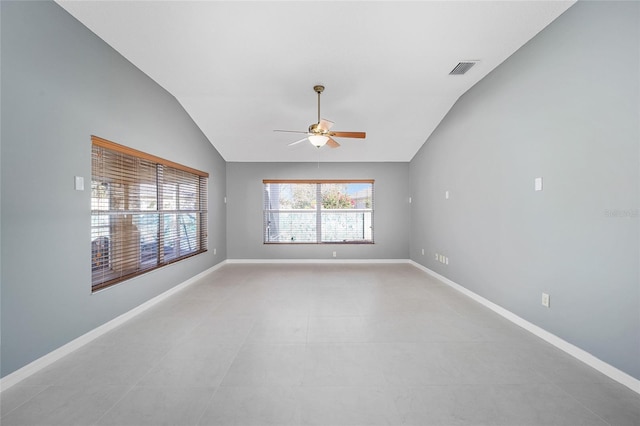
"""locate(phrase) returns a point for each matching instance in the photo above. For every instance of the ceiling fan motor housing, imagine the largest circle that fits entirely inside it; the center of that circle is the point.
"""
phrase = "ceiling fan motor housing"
(314, 129)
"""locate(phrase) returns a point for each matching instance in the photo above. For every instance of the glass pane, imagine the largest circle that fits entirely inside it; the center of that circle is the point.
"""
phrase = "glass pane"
(148, 197)
(335, 196)
(346, 226)
(170, 236)
(291, 226)
(180, 235)
(347, 212)
(100, 236)
(169, 196)
(188, 196)
(347, 195)
(290, 213)
(99, 195)
(361, 195)
(100, 229)
(298, 196)
(147, 225)
(188, 241)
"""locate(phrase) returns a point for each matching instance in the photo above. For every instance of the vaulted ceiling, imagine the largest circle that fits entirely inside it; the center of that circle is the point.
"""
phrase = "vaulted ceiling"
(243, 69)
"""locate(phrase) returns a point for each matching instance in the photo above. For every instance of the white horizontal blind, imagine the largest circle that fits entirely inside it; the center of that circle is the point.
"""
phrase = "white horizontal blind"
(318, 211)
(144, 213)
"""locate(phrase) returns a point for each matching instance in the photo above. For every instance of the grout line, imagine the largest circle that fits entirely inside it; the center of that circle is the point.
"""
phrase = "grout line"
(29, 399)
(215, 392)
(108, 410)
(580, 403)
(240, 346)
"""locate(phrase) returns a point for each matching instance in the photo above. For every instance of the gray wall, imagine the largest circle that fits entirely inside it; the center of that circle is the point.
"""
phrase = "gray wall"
(565, 107)
(391, 210)
(61, 84)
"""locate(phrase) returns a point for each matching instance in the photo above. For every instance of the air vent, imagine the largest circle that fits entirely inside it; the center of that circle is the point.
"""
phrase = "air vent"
(462, 67)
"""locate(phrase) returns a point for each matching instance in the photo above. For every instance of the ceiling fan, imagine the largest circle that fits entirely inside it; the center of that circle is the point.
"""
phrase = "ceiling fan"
(320, 133)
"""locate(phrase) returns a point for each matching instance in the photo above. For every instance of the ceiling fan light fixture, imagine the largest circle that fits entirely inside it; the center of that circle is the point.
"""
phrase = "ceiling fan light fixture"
(318, 140)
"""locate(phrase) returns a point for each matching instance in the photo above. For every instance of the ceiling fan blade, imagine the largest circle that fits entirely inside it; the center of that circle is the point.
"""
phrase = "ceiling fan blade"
(297, 142)
(291, 131)
(332, 143)
(325, 125)
(358, 135)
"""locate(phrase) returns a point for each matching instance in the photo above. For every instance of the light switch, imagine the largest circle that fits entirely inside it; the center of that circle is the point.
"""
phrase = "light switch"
(446, 195)
(538, 184)
(79, 183)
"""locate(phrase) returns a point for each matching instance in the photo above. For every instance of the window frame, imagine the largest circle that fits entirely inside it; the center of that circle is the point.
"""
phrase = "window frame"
(162, 177)
(266, 212)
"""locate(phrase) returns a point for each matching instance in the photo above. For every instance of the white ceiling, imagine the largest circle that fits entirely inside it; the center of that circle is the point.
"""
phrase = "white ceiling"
(242, 69)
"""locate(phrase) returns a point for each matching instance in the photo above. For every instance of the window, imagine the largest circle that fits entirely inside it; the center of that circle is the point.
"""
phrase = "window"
(146, 212)
(318, 211)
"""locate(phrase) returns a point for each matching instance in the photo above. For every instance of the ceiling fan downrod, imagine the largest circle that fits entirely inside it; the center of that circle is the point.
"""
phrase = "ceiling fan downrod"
(318, 89)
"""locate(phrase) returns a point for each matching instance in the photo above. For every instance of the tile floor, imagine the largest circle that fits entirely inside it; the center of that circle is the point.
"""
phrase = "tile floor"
(319, 345)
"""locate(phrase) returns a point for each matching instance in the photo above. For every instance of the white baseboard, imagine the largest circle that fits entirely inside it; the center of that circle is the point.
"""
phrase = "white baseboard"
(580, 354)
(333, 260)
(48, 359)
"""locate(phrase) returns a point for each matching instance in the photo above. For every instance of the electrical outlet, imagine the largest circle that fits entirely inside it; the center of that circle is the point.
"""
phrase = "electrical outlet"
(423, 252)
(334, 254)
(546, 300)
(215, 251)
